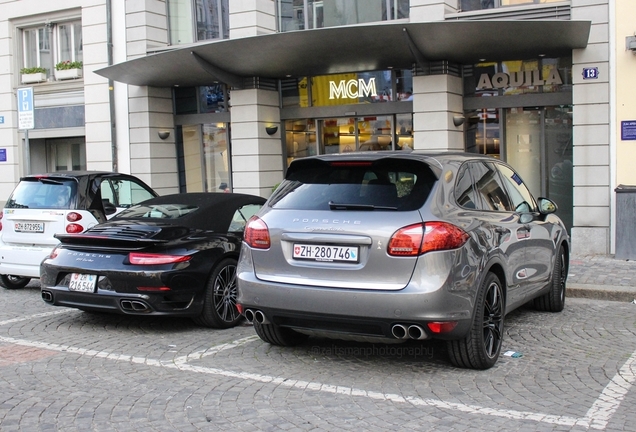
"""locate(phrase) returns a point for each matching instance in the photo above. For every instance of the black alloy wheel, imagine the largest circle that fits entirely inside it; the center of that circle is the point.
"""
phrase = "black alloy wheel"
(219, 305)
(481, 347)
(554, 300)
(14, 282)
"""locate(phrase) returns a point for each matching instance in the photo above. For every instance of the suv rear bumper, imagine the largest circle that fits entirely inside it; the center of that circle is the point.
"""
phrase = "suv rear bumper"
(22, 260)
(356, 312)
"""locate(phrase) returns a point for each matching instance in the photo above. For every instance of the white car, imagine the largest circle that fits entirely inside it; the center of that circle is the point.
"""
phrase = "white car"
(43, 205)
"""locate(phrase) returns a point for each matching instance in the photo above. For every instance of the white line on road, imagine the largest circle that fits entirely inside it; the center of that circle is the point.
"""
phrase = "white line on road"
(40, 315)
(596, 417)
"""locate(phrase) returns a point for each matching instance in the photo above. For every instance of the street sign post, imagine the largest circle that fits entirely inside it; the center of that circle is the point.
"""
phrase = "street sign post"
(26, 121)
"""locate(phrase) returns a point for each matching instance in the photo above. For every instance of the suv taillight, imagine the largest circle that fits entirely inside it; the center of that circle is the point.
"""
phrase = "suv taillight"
(1, 215)
(414, 240)
(257, 234)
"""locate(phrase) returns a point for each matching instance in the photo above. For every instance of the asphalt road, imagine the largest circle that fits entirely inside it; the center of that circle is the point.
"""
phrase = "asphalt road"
(63, 369)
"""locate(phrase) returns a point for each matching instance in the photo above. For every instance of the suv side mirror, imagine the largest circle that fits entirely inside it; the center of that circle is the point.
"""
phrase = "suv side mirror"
(547, 206)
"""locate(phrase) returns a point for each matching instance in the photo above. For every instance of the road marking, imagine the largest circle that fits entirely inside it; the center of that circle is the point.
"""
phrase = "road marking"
(40, 315)
(610, 399)
(597, 417)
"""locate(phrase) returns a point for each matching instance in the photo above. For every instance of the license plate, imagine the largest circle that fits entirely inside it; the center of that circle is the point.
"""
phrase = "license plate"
(326, 253)
(29, 227)
(82, 282)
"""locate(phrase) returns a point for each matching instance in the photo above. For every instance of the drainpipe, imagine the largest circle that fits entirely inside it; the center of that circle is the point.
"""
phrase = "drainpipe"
(111, 86)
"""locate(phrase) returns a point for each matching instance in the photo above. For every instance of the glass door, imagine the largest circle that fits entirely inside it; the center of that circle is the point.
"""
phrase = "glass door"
(523, 145)
(536, 141)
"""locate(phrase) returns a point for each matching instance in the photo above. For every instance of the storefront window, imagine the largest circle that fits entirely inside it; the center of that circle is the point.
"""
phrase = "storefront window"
(212, 98)
(309, 137)
(309, 14)
(300, 139)
(543, 75)
(470, 5)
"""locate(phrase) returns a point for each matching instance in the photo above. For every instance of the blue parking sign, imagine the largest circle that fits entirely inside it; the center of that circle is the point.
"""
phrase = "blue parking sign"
(26, 119)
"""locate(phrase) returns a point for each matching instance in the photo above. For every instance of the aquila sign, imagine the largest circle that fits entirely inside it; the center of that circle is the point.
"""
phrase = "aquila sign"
(517, 79)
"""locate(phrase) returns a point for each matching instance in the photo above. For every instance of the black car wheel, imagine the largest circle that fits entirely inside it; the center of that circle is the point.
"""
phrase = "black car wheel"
(219, 305)
(277, 335)
(14, 282)
(554, 301)
(480, 348)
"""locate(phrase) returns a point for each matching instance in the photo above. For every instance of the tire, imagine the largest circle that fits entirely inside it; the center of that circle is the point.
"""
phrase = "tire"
(281, 336)
(219, 304)
(14, 282)
(554, 300)
(481, 347)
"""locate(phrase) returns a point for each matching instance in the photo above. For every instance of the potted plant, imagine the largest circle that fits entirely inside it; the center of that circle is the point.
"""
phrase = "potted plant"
(68, 70)
(33, 74)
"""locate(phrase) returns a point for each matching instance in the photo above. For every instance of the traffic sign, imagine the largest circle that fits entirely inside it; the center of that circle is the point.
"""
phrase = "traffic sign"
(26, 118)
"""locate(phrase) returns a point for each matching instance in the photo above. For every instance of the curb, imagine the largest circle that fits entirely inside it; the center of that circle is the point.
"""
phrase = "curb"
(604, 292)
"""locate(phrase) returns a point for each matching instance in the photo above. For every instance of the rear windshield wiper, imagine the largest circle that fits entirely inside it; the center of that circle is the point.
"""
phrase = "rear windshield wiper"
(346, 206)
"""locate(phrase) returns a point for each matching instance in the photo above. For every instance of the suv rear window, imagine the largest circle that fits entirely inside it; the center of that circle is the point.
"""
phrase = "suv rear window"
(386, 184)
(43, 193)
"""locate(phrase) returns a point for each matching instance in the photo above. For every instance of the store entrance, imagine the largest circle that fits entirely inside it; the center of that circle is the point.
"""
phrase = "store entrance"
(536, 141)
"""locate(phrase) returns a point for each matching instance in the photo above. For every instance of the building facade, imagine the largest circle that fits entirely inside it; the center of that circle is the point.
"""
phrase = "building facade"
(219, 95)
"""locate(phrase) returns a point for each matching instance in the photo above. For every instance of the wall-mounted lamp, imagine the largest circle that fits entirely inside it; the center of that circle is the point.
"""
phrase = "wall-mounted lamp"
(630, 43)
(163, 134)
(458, 120)
(271, 130)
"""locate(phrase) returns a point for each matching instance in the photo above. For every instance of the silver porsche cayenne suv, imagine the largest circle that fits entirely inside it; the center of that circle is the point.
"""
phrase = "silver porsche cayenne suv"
(395, 245)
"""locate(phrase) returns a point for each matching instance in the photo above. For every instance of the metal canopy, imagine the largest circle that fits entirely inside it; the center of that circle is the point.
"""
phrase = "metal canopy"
(351, 49)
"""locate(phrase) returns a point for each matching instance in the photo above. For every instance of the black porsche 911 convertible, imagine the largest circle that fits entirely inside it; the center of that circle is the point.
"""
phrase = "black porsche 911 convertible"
(171, 255)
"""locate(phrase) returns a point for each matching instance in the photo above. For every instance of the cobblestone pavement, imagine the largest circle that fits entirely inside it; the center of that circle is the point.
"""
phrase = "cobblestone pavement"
(602, 270)
(63, 369)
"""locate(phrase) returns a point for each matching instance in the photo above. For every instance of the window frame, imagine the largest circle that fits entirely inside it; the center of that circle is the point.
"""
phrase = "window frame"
(53, 45)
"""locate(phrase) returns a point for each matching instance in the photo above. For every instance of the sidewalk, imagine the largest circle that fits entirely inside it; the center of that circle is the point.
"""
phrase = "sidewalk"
(602, 277)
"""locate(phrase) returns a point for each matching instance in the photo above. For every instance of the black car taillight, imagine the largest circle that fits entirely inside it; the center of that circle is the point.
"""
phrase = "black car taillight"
(138, 258)
(257, 234)
(417, 239)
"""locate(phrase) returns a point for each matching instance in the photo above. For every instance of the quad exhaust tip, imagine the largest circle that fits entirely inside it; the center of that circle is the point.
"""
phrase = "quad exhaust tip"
(47, 296)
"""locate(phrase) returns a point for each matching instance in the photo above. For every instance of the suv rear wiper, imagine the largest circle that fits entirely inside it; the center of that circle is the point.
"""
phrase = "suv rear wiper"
(345, 206)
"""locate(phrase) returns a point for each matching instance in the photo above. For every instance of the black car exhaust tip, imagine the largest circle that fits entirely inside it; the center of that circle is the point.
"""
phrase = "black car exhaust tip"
(47, 296)
(134, 306)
